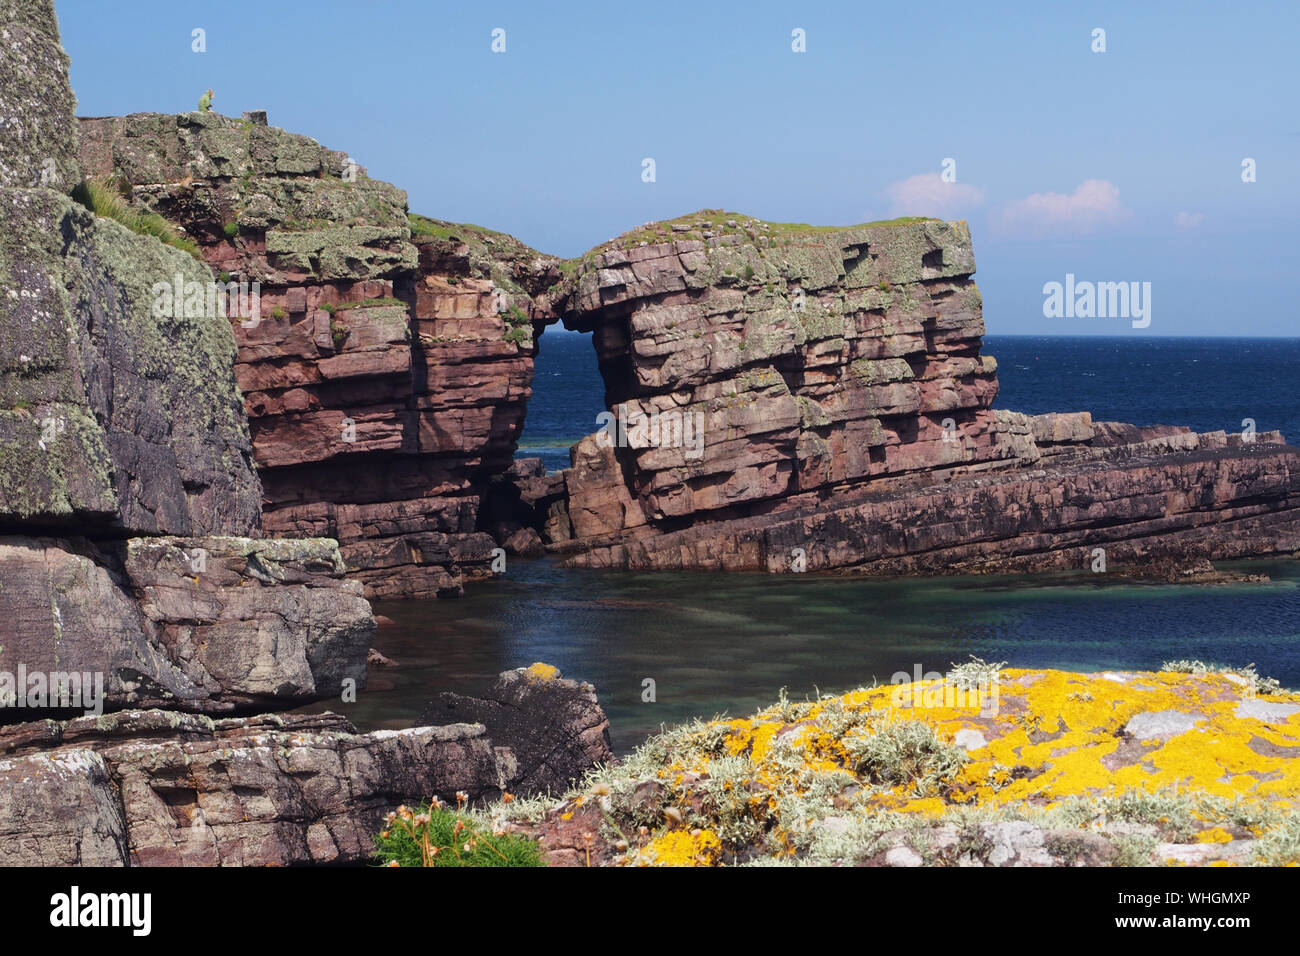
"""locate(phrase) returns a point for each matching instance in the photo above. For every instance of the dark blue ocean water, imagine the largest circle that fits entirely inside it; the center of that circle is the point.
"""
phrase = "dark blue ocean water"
(1209, 384)
(718, 643)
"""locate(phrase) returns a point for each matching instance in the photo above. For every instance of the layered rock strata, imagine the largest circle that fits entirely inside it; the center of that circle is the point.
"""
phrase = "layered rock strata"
(386, 376)
(799, 398)
(157, 788)
(130, 509)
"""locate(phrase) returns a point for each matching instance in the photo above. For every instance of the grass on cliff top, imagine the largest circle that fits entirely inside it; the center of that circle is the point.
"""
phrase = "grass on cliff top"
(102, 198)
(720, 222)
(463, 231)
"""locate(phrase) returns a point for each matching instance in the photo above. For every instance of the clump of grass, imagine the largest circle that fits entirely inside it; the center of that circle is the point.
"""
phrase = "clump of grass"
(103, 199)
(1258, 684)
(230, 229)
(339, 332)
(434, 835)
(905, 752)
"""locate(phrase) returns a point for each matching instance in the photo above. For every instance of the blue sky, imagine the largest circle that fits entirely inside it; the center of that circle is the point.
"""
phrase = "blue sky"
(1115, 166)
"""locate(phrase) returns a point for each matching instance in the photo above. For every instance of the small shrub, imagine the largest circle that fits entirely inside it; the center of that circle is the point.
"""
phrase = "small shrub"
(339, 333)
(905, 752)
(1258, 684)
(278, 312)
(230, 229)
(432, 835)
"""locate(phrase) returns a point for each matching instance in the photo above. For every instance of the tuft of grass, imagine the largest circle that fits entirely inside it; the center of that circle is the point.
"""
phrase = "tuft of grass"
(230, 229)
(1260, 685)
(432, 835)
(339, 333)
(102, 198)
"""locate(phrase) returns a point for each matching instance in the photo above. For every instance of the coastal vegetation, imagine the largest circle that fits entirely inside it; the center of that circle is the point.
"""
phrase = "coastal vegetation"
(434, 835)
(1190, 765)
(101, 197)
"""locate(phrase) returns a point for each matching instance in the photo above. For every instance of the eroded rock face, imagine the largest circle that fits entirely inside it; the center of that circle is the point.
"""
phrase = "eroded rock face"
(157, 788)
(842, 420)
(554, 727)
(386, 378)
(125, 454)
(38, 147)
(201, 624)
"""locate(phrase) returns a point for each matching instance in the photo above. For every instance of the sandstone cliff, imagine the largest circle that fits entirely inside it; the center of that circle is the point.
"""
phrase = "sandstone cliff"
(130, 510)
(843, 420)
(386, 376)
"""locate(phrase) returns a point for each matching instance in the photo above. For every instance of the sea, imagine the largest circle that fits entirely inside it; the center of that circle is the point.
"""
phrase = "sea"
(664, 648)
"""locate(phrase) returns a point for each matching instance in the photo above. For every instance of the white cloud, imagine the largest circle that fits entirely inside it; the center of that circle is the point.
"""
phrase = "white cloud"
(1093, 205)
(1189, 220)
(928, 195)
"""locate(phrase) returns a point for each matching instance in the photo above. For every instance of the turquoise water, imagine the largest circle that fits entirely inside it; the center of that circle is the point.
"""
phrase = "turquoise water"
(718, 643)
(728, 643)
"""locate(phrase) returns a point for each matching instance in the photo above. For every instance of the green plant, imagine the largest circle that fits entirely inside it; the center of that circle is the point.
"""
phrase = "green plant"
(224, 277)
(103, 199)
(328, 307)
(905, 752)
(339, 333)
(230, 229)
(278, 312)
(1252, 678)
(749, 271)
(518, 334)
(432, 835)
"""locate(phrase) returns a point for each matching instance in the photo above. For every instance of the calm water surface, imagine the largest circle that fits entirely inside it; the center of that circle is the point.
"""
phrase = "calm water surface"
(718, 643)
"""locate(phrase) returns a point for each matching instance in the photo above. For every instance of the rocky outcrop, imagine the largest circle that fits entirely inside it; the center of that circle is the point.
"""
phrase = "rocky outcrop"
(157, 788)
(386, 376)
(130, 508)
(554, 727)
(200, 624)
(981, 767)
(799, 398)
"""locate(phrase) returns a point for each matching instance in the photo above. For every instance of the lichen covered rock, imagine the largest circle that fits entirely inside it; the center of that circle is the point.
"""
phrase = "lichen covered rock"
(1018, 767)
